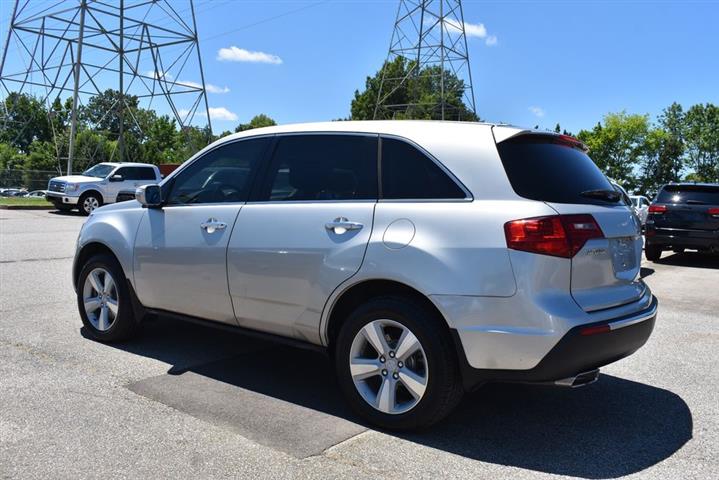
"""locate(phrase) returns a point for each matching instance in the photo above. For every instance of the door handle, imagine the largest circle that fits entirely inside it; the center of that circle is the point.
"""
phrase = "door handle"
(341, 225)
(212, 225)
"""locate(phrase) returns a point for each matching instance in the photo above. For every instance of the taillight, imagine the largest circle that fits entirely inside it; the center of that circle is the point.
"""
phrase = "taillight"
(657, 208)
(557, 235)
(714, 212)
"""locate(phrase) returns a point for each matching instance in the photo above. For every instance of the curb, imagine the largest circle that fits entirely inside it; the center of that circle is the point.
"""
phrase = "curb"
(26, 207)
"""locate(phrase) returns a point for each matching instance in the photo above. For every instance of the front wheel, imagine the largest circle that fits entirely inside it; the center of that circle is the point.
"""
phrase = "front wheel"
(653, 252)
(89, 202)
(104, 300)
(396, 364)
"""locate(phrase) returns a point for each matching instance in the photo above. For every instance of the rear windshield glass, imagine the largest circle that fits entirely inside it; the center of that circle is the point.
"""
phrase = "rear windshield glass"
(541, 169)
(697, 194)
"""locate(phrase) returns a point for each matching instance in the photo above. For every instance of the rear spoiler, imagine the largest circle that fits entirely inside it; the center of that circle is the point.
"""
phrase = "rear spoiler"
(503, 133)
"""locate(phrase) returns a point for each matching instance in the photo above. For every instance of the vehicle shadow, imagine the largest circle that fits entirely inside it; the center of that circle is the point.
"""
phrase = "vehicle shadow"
(61, 213)
(612, 428)
(691, 259)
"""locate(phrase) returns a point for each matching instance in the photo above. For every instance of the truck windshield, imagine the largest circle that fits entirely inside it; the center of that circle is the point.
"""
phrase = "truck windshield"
(100, 171)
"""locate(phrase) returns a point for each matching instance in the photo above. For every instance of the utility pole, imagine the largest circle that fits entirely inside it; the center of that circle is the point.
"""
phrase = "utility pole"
(430, 41)
(76, 89)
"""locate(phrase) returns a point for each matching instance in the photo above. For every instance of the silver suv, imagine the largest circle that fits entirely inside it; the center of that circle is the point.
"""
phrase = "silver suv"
(427, 258)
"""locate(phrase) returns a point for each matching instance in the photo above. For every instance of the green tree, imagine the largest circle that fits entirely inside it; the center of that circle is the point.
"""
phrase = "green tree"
(617, 145)
(26, 121)
(701, 138)
(258, 121)
(101, 113)
(663, 159)
(423, 89)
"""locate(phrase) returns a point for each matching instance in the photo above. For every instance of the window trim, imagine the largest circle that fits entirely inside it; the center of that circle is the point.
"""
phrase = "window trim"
(170, 181)
(468, 195)
(264, 176)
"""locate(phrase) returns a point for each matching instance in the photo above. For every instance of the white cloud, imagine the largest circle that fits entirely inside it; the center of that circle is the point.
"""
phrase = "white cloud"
(159, 75)
(537, 111)
(491, 41)
(216, 113)
(235, 54)
(208, 86)
(475, 30)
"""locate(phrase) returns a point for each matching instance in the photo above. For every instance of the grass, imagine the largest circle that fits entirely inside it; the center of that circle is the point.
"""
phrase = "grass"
(24, 202)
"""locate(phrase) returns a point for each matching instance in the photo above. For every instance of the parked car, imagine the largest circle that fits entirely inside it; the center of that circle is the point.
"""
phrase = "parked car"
(683, 216)
(427, 258)
(99, 185)
(36, 194)
(13, 192)
(640, 204)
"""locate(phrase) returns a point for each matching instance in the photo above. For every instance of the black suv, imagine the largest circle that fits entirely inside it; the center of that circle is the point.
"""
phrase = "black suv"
(683, 215)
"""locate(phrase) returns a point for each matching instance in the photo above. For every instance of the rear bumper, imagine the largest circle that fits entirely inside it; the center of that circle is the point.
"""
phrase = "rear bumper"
(679, 237)
(574, 353)
(60, 199)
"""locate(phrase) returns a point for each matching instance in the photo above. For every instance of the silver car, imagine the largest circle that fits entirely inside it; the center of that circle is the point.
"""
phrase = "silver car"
(428, 258)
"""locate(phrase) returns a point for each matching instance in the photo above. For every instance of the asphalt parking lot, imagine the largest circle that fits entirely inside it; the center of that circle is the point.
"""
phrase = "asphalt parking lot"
(185, 401)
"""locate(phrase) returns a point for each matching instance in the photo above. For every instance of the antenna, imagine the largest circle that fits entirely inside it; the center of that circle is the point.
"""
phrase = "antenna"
(427, 52)
(146, 50)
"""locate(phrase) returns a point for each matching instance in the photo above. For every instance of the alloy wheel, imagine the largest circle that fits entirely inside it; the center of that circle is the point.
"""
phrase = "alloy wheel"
(90, 204)
(100, 299)
(388, 366)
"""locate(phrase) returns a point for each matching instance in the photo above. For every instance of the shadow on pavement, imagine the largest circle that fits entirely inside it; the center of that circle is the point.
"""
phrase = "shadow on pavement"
(691, 259)
(612, 428)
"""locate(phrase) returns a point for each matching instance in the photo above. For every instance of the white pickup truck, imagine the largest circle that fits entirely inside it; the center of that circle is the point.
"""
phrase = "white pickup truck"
(99, 185)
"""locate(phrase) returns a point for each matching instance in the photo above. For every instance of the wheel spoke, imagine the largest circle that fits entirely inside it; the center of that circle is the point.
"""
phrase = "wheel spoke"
(362, 368)
(415, 384)
(112, 305)
(103, 320)
(91, 304)
(109, 284)
(95, 282)
(386, 395)
(375, 336)
(407, 345)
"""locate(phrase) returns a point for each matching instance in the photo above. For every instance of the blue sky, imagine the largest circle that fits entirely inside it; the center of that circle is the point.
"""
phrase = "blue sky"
(553, 61)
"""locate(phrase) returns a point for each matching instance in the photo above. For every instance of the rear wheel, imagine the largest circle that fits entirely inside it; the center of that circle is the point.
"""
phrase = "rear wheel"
(653, 252)
(396, 364)
(104, 300)
(89, 202)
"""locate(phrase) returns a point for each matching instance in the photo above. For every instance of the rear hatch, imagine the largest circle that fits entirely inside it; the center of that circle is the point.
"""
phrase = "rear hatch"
(689, 207)
(555, 169)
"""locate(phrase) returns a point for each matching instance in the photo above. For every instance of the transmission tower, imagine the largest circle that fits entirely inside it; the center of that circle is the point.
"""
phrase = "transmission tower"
(430, 43)
(146, 49)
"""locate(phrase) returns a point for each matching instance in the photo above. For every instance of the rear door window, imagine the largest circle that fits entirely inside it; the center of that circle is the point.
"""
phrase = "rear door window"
(541, 167)
(689, 194)
(322, 168)
(407, 173)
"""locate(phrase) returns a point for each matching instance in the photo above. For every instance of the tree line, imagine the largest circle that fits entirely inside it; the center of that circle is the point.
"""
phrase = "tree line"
(640, 153)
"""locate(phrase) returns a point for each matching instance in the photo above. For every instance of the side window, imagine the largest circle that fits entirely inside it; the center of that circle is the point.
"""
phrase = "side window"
(221, 175)
(645, 202)
(145, 173)
(407, 173)
(323, 167)
(126, 172)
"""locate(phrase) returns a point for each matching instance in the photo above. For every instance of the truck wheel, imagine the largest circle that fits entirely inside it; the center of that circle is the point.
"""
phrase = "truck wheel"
(396, 364)
(653, 252)
(89, 202)
(104, 300)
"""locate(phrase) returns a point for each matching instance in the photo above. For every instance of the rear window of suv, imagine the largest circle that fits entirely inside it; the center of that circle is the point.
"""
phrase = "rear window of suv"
(541, 168)
(688, 194)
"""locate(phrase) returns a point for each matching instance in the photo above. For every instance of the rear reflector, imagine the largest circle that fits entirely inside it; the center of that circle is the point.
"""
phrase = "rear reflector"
(714, 212)
(556, 235)
(595, 330)
(657, 208)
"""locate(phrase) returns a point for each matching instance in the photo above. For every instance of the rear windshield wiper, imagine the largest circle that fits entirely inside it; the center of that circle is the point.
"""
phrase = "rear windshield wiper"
(608, 195)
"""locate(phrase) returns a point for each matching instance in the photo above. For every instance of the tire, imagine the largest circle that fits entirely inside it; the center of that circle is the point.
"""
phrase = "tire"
(89, 202)
(118, 325)
(652, 252)
(435, 362)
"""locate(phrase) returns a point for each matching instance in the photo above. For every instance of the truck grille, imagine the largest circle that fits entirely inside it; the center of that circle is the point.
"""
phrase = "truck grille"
(56, 186)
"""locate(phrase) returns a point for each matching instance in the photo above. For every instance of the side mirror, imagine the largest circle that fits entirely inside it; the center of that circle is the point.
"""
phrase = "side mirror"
(116, 178)
(149, 196)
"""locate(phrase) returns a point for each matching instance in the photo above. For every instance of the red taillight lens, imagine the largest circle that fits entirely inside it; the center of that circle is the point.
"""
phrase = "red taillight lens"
(595, 330)
(657, 208)
(714, 212)
(558, 235)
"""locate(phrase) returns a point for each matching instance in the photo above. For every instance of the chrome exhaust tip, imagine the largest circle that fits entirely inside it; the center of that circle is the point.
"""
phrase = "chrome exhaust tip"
(579, 380)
